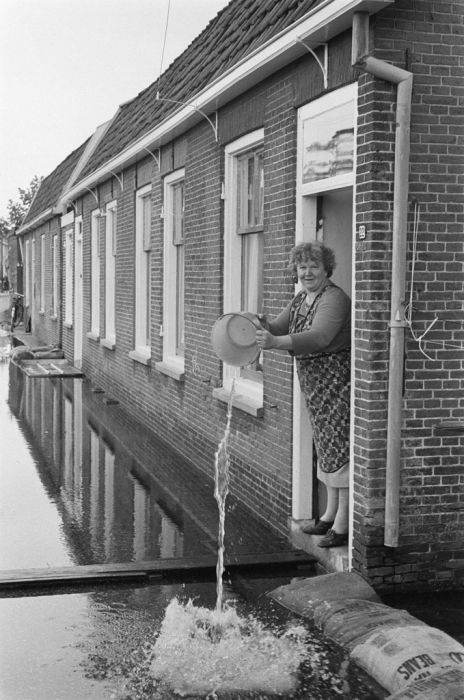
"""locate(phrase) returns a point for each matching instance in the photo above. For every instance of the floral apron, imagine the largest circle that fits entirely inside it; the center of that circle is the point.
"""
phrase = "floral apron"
(325, 382)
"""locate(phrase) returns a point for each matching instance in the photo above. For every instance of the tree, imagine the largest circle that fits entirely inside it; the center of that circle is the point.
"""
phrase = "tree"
(17, 210)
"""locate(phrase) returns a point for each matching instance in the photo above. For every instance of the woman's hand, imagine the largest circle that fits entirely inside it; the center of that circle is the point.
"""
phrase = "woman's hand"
(265, 340)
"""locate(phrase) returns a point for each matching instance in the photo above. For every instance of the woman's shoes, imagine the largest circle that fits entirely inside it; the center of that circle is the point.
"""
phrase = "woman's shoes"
(333, 539)
(319, 529)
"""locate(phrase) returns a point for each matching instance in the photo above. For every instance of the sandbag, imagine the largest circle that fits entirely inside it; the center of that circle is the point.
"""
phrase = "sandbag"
(22, 352)
(445, 685)
(53, 354)
(349, 622)
(398, 656)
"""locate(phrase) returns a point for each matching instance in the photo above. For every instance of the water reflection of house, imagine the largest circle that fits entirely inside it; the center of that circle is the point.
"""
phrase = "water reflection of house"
(111, 508)
(165, 218)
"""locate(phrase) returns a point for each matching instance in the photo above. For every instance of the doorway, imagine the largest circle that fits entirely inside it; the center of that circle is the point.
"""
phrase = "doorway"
(78, 322)
(328, 217)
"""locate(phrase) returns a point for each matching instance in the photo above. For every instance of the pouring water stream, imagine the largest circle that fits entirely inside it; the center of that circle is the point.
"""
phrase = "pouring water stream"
(221, 489)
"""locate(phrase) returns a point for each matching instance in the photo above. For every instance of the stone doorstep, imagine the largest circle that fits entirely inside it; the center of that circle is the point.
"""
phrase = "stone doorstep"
(331, 559)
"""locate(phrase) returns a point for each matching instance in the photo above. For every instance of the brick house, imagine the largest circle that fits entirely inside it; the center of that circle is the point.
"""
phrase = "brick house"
(284, 122)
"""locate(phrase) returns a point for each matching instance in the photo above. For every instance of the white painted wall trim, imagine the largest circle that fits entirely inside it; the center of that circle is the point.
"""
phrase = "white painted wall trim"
(67, 219)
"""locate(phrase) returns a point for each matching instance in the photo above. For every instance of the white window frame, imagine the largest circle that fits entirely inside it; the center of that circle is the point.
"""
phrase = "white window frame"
(111, 224)
(42, 273)
(55, 275)
(312, 110)
(248, 393)
(95, 219)
(143, 245)
(68, 271)
(173, 360)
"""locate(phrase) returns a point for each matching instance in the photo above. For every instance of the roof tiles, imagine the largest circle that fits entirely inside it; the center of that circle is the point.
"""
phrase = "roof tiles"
(241, 27)
(50, 190)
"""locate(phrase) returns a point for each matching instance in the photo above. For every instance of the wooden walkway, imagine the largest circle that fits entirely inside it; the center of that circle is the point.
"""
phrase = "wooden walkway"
(159, 571)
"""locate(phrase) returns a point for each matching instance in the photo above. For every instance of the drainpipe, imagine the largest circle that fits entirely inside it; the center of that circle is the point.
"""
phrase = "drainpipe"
(403, 79)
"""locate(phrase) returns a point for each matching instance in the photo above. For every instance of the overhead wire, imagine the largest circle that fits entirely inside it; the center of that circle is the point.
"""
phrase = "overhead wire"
(164, 45)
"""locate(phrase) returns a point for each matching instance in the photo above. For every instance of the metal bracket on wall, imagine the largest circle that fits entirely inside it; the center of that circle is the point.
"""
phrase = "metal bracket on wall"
(71, 204)
(157, 158)
(93, 194)
(214, 125)
(323, 66)
(119, 179)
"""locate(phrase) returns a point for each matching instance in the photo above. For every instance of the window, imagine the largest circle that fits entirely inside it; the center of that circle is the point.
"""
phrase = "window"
(68, 268)
(326, 142)
(142, 275)
(243, 255)
(55, 275)
(42, 273)
(95, 274)
(173, 311)
(109, 340)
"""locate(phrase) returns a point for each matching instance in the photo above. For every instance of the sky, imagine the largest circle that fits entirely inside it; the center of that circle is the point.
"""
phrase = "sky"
(66, 66)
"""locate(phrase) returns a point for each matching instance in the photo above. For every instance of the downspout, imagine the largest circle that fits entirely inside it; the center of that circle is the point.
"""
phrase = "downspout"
(403, 79)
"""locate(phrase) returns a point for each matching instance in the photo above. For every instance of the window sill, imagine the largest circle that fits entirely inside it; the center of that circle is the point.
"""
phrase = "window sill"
(68, 324)
(141, 357)
(241, 401)
(108, 344)
(172, 370)
(93, 336)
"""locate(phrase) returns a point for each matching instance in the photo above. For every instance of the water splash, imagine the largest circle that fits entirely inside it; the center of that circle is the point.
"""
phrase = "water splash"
(221, 489)
(201, 652)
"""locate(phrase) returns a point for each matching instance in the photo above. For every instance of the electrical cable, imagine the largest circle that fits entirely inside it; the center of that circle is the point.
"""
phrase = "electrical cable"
(164, 45)
(409, 308)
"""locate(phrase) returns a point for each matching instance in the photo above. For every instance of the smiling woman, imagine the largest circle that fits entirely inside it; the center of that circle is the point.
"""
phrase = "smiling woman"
(315, 327)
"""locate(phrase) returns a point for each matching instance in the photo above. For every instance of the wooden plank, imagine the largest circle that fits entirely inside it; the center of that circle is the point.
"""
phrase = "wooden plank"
(42, 368)
(162, 569)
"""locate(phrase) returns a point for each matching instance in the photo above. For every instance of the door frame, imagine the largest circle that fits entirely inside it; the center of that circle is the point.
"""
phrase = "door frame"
(303, 496)
(78, 293)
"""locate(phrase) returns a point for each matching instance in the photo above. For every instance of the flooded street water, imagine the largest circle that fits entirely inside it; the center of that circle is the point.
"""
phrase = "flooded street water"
(81, 483)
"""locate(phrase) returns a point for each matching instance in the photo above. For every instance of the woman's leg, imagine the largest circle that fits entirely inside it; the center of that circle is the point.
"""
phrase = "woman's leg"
(331, 508)
(341, 518)
(326, 521)
(338, 534)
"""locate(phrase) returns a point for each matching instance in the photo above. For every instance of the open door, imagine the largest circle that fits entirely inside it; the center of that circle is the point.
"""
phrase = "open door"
(324, 211)
(328, 217)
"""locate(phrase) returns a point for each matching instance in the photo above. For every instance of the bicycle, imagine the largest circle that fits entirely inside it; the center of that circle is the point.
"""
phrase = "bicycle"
(17, 310)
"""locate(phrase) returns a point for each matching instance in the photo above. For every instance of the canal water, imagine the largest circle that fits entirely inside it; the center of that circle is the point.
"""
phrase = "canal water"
(82, 483)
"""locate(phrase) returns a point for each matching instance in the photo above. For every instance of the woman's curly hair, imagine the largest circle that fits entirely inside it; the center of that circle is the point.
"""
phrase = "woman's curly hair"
(314, 251)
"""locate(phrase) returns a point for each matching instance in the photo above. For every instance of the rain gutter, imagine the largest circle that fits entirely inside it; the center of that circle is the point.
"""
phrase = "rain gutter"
(327, 19)
(403, 80)
(40, 219)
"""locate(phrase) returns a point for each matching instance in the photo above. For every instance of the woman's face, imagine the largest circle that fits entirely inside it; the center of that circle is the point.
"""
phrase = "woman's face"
(312, 275)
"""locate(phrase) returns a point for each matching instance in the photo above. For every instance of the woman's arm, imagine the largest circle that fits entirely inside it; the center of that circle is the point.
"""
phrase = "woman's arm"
(332, 317)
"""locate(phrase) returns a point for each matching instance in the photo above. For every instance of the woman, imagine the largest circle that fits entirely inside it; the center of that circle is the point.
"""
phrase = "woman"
(315, 328)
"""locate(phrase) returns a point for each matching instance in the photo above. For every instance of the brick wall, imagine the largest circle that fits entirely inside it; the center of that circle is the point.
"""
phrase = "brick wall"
(185, 413)
(425, 40)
